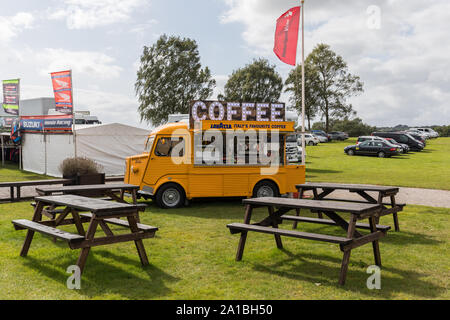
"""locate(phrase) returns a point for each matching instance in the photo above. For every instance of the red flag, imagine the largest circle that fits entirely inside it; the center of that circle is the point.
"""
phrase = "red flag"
(62, 88)
(286, 36)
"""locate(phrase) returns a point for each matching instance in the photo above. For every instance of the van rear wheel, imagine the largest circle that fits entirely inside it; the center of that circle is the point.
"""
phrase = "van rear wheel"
(265, 189)
(170, 196)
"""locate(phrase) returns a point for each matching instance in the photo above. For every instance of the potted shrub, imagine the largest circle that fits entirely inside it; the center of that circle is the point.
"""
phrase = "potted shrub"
(82, 171)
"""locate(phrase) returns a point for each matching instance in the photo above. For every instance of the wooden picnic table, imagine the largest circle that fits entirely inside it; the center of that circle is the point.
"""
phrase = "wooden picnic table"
(97, 213)
(353, 238)
(360, 189)
(108, 189)
(114, 191)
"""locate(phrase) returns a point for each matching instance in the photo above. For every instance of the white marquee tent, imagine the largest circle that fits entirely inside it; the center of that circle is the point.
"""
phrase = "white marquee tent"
(106, 144)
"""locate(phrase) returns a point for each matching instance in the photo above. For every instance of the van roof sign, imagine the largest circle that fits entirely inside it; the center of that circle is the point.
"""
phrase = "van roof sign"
(200, 110)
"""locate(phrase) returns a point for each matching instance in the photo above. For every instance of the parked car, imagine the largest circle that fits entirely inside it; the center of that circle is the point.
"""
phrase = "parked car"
(321, 133)
(424, 135)
(310, 139)
(338, 135)
(404, 147)
(380, 149)
(430, 131)
(321, 138)
(402, 138)
(418, 137)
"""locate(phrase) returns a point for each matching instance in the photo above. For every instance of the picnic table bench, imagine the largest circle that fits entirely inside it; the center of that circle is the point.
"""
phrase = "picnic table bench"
(360, 189)
(97, 213)
(352, 240)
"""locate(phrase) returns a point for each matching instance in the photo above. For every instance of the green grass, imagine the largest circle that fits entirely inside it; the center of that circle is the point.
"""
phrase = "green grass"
(11, 172)
(192, 257)
(429, 168)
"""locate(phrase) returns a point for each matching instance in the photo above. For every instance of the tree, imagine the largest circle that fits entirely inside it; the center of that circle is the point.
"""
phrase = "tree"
(334, 84)
(354, 127)
(293, 85)
(169, 77)
(256, 82)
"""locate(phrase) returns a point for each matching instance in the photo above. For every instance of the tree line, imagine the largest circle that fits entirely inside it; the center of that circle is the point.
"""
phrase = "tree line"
(171, 75)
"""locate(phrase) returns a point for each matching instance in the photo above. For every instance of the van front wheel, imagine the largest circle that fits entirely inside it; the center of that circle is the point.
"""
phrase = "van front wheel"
(170, 196)
(265, 189)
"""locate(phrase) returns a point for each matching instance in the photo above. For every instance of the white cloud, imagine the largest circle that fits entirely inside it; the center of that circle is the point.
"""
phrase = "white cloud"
(11, 26)
(91, 63)
(404, 64)
(88, 14)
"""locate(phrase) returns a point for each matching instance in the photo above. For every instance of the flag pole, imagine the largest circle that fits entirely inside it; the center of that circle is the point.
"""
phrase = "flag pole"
(303, 83)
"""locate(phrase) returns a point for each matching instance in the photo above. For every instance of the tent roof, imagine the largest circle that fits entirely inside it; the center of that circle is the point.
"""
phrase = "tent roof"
(110, 129)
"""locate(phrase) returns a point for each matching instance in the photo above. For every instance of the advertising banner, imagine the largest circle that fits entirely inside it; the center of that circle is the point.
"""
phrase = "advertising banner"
(236, 111)
(62, 88)
(11, 96)
(46, 123)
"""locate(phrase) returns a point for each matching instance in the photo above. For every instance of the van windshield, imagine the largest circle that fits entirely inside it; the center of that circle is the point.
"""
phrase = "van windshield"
(149, 144)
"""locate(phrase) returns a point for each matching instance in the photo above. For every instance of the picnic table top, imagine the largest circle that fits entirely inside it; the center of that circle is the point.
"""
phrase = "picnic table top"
(347, 186)
(88, 187)
(323, 205)
(87, 204)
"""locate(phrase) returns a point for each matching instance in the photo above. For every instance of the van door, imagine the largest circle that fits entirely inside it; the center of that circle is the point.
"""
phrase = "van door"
(166, 159)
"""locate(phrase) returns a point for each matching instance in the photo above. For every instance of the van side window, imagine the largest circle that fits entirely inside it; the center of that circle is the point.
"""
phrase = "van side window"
(165, 146)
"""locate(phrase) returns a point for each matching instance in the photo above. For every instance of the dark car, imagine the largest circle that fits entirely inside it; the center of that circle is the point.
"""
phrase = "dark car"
(338, 135)
(404, 146)
(402, 138)
(373, 148)
(321, 133)
(417, 137)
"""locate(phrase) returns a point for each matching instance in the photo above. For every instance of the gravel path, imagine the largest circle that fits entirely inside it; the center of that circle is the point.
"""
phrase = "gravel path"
(425, 197)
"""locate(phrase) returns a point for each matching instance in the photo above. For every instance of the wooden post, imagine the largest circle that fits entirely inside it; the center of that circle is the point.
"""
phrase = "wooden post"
(275, 225)
(397, 227)
(247, 218)
(346, 257)
(30, 233)
(375, 245)
(89, 236)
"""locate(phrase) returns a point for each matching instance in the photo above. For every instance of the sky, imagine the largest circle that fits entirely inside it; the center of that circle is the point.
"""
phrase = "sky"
(399, 48)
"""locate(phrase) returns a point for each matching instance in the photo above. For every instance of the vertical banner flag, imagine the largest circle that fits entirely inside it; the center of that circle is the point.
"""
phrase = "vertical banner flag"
(11, 96)
(62, 88)
(286, 36)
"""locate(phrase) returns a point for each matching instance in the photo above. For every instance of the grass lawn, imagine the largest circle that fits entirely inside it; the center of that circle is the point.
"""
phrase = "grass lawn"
(192, 257)
(429, 168)
(11, 172)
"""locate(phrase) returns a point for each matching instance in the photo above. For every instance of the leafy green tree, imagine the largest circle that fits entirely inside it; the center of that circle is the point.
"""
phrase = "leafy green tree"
(334, 84)
(354, 127)
(169, 77)
(256, 82)
(444, 131)
(294, 85)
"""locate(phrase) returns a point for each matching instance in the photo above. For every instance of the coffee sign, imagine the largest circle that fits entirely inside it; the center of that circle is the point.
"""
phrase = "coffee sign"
(236, 111)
